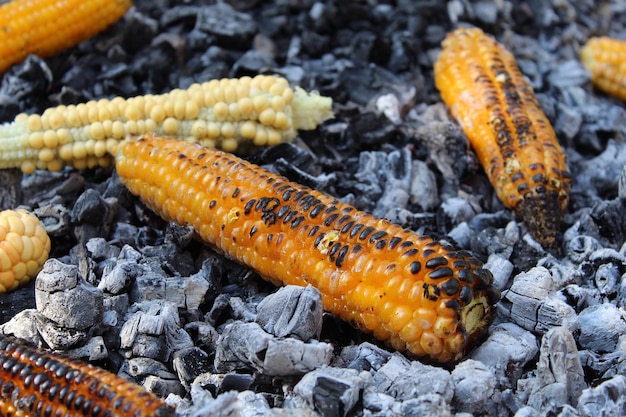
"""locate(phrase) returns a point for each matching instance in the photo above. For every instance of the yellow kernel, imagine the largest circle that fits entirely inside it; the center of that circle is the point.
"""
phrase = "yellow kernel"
(34, 122)
(149, 125)
(46, 155)
(192, 110)
(132, 127)
(89, 146)
(233, 111)
(80, 164)
(31, 267)
(96, 131)
(27, 249)
(103, 112)
(267, 83)
(281, 121)
(56, 119)
(248, 130)
(260, 103)
(100, 148)
(209, 99)
(28, 167)
(213, 130)
(179, 109)
(132, 112)
(230, 94)
(7, 281)
(15, 240)
(267, 117)
(72, 116)
(63, 136)
(92, 112)
(112, 145)
(228, 130)
(245, 106)
(278, 103)
(170, 126)
(260, 138)
(273, 137)
(229, 145)
(66, 152)
(218, 93)
(22, 117)
(107, 125)
(117, 130)
(276, 89)
(199, 129)
(83, 113)
(242, 90)
(288, 95)
(35, 140)
(220, 110)
(79, 150)
(55, 165)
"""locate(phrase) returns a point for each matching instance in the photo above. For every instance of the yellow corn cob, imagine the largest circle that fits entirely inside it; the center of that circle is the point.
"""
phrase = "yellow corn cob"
(45, 27)
(410, 291)
(24, 247)
(514, 141)
(605, 59)
(231, 114)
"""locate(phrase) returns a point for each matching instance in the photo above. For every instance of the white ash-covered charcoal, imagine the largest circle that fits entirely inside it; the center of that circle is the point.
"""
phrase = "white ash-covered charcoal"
(92, 215)
(580, 248)
(406, 379)
(609, 267)
(506, 352)
(99, 249)
(474, 388)
(220, 383)
(381, 405)
(560, 377)
(501, 269)
(189, 363)
(55, 219)
(117, 276)
(153, 375)
(362, 357)
(397, 173)
(332, 392)
(23, 325)
(292, 311)
(601, 327)
(532, 303)
(67, 302)
(568, 122)
(423, 190)
(605, 400)
(426, 405)
(247, 346)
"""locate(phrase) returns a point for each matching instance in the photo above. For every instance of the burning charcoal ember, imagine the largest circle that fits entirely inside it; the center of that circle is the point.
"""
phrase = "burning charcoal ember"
(600, 327)
(560, 377)
(292, 311)
(531, 302)
(474, 387)
(607, 399)
(506, 352)
(248, 346)
(64, 298)
(332, 392)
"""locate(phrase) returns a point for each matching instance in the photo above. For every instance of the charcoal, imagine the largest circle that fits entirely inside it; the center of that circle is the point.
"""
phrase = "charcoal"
(580, 248)
(607, 399)
(423, 186)
(560, 376)
(23, 86)
(506, 352)
(94, 349)
(459, 210)
(23, 325)
(162, 387)
(292, 311)
(248, 346)
(11, 192)
(92, 214)
(253, 62)
(381, 405)
(189, 363)
(118, 276)
(333, 392)
(501, 269)
(230, 27)
(427, 405)
(474, 386)
(568, 122)
(363, 357)
(600, 327)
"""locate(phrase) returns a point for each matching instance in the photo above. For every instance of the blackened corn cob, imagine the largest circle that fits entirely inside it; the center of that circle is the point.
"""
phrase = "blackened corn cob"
(24, 247)
(232, 114)
(45, 27)
(37, 383)
(485, 91)
(605, 59)
(414, 293)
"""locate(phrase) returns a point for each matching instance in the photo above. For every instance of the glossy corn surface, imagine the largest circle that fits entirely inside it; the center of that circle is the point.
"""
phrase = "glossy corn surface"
(408, 290)
(37, 383)
(45, 27)
(24, 247)
(496, 107)
(605, 59)
(231, 114)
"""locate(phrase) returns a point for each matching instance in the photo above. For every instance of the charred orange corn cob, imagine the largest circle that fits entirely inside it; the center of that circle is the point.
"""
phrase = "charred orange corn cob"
(410, 291)
(605, 59)
(45, 27)
(37, 383)
(485, 91)
(231, 114)
(24, 247)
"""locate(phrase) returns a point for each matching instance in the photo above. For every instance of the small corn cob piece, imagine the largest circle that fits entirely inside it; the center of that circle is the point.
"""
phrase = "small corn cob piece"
(605, 59)
(232, 114)
(45, 27)
(414, 293)
(24, 247)
(485, 91)
(38, 383)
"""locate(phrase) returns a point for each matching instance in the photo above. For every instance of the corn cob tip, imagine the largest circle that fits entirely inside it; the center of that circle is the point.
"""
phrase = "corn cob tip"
(310, 109)
(543, 215)
(24, 247)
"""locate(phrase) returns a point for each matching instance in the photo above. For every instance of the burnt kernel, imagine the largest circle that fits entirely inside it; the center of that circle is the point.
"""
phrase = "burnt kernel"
(330, 219)
(435, 262)
(318, 239)
(540, 189)
(306, 201)
(260, 204)
(316, 210)
(313, 231)
(406, 244)
(8, 364)
(297, 221)
(431, 292)
(381, 244)
(287, 194)
(283, 210)
(341, 256)
(485, 278)
(342, 220)
(202, 155)
(253, 230)
(248, 207)
(271, 204)
(366, 232)
(357, 248)
(493, 295)
(440, 273)
(467, 295)
(393, 242)
(289, 217)
(461, 264)
(355, 230)
(415, 267)
(299, 195)
(236, 192)
(453, 304)
(347, 226)
(333, 250)
(270, 237)
(411, 252)
(451, 286)
(540, 178)
(523, 187)
(212, 204)
(428, 252)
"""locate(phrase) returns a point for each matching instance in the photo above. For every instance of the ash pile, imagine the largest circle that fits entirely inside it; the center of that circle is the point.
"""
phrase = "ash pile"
(132, 294)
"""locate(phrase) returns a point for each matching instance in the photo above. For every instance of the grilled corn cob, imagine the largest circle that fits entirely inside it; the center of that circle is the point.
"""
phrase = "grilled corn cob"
(605, 59)
(496, 107)
(414, 293)
(24, 247)
(231, 114)
(38, 383)
(45, 27)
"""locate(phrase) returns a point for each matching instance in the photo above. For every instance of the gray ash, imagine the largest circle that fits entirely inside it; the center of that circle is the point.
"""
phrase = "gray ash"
(144, 299)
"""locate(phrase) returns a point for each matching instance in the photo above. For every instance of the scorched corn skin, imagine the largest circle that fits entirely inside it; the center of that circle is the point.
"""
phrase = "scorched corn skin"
(45, 27)
(414, 293)
(605, 59)
(485, 91)
(231, 114)
(37, 383)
